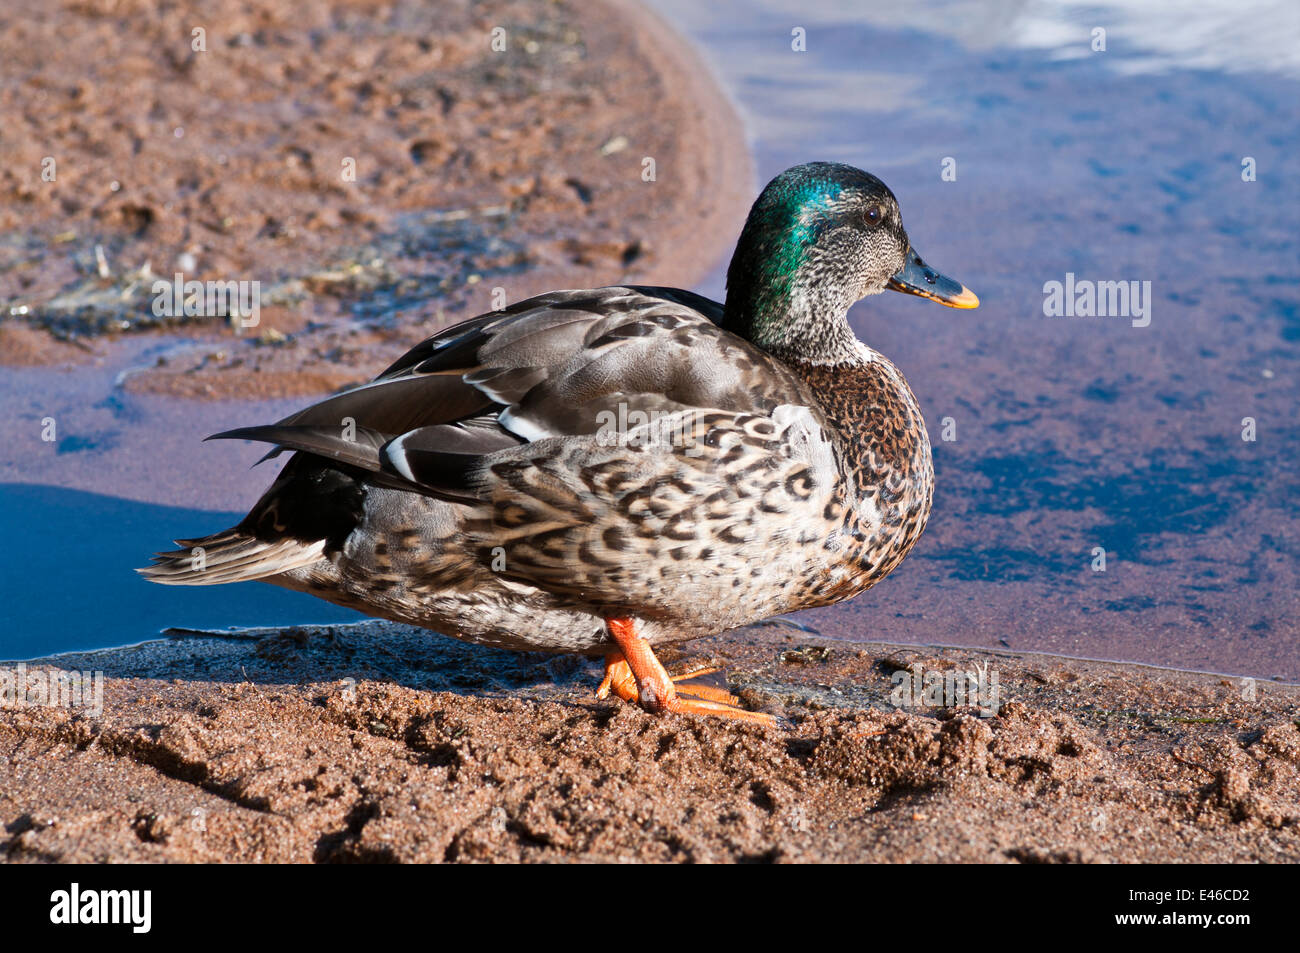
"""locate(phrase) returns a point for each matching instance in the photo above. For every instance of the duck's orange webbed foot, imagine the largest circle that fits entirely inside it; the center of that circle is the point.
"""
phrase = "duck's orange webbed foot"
(635, 675)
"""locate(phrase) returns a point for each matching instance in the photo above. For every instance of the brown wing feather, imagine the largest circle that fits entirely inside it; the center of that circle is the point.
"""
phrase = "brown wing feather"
(559, 365)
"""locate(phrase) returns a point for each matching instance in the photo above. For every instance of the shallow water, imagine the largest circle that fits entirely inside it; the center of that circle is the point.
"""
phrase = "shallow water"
(77, 592)
(1070, 434)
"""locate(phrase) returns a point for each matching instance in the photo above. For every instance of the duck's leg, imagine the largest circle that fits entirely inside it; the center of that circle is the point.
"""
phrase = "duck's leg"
(635, 675)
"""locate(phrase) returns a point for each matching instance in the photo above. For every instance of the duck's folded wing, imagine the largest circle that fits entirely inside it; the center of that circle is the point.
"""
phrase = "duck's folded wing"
(612, 444)
(562, 365)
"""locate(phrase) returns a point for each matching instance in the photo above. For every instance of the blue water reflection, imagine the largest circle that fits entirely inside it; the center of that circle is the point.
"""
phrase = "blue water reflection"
(1072, 435)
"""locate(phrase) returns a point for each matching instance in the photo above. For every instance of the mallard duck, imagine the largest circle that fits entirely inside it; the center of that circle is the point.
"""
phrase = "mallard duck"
(608, 470)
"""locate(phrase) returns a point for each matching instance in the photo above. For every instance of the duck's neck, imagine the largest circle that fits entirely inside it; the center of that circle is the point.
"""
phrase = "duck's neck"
(794, 316)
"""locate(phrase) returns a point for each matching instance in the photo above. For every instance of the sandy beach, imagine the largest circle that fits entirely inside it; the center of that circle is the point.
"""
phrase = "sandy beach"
(378, 743)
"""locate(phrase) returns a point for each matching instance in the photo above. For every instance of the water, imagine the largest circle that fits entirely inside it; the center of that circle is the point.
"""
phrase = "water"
(70, 547)
(1071, 434)
(72, 585)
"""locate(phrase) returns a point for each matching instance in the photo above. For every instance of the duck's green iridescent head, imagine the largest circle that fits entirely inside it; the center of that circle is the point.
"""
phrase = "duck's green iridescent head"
(820, 237)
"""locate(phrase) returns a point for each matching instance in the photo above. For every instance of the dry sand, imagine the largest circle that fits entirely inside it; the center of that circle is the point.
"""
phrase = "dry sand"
(378, 742)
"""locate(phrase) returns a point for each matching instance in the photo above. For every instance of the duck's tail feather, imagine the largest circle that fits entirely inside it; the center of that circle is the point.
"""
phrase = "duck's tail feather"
(360, 449)
(230, 556)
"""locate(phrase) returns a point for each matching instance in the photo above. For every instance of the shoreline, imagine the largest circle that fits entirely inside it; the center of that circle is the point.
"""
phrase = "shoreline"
(236, 633)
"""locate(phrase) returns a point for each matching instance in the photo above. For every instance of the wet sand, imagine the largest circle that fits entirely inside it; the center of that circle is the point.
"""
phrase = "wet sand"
(381, 170)
(382, 743)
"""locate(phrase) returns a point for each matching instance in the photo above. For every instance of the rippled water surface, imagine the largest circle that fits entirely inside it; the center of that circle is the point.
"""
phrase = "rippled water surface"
(1071, 434)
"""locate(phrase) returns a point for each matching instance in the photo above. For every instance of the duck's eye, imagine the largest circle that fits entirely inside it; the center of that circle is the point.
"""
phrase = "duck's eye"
(874, 215)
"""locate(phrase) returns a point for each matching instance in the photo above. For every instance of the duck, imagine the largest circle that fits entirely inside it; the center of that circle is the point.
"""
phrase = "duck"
(610, 470)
